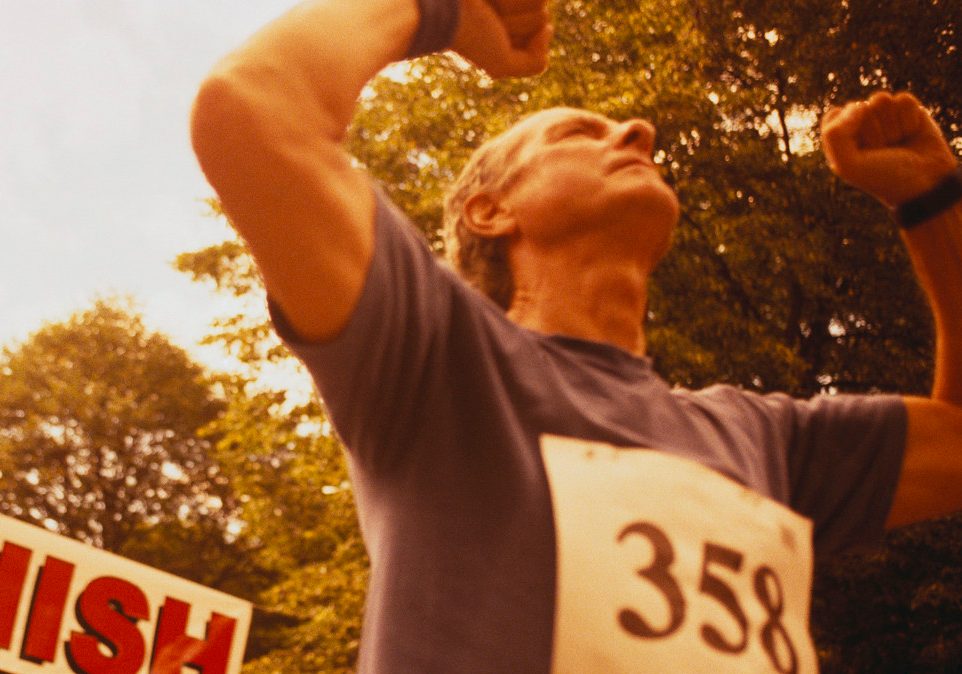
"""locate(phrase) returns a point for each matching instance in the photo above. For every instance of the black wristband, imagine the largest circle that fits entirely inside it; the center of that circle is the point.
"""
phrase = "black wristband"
(930, 204)
(436, 29)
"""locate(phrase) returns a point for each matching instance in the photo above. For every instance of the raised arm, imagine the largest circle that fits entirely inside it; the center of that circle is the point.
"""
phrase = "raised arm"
(890, 147)
(269, 122)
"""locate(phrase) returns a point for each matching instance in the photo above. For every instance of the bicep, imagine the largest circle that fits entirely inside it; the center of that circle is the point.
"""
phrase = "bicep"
(304, 211)
(844, 456)
(930, 484)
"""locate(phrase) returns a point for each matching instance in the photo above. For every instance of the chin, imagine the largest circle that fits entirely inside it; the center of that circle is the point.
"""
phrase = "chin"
(662, 247)
(660, 208)
(658, 215)
(670, 203)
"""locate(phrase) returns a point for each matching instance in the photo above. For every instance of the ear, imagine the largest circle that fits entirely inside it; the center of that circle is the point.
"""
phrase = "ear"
(487, 217)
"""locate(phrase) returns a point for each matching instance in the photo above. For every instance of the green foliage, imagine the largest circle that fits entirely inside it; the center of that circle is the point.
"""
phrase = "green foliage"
(299, 520)
(226, 266)
(296, 506)
(200, 551)
(270, 449)
(328, 599)
(895, 609)
(98, 430)
(780, 277)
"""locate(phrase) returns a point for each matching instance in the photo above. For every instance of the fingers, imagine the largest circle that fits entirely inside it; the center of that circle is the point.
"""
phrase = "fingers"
(507, 38)
(538, 49)
(886, 111)
(532, 57)
(887, 145)
(912, 115)
(893, 120)
(873, 132)
(524, 26)
(884, 120)
(522, 19)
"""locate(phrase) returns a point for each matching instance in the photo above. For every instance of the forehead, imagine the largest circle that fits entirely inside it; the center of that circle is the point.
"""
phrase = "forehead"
(540, 123)
(534, 130)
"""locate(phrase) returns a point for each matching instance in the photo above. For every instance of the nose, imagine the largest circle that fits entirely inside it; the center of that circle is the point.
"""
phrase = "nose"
(637, 132)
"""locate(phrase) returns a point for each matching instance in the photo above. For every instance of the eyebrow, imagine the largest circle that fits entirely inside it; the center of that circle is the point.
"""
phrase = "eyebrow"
(589, 122)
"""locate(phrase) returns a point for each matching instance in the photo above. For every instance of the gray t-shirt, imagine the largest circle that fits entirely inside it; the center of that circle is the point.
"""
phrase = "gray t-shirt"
(441, 401)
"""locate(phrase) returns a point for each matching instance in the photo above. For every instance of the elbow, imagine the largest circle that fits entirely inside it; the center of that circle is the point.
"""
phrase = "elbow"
(212, 97)
(244, 119)
(216, 124)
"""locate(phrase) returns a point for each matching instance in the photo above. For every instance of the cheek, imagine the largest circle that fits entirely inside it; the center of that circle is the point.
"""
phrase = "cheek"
(555, 192)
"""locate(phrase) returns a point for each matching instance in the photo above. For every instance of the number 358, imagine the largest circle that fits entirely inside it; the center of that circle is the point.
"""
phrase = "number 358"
(768, 591)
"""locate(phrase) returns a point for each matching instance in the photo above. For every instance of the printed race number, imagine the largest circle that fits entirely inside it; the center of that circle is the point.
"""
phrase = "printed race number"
(665, 565)
(765, 580)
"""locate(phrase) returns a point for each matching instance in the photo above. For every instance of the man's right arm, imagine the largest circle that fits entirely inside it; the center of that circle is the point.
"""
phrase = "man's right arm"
(268, 127)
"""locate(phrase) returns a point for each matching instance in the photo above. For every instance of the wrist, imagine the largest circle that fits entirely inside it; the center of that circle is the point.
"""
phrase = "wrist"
(946, 194)
(437, 24)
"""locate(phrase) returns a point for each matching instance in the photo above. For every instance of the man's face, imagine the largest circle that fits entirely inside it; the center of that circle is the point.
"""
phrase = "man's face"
(579, 173)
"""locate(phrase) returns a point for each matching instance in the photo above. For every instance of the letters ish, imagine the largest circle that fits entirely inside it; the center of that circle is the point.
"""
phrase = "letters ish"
(61, 610)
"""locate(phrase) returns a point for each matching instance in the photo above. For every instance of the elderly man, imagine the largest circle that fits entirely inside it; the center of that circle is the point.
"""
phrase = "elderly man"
(532, 495)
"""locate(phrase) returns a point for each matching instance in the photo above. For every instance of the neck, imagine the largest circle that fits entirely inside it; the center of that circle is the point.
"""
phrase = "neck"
(597, 299)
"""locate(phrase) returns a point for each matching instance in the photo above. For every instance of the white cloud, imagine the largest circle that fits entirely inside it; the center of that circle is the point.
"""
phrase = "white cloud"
(98, 186)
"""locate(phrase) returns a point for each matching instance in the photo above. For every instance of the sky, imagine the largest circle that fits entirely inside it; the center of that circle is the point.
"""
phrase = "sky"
(99, 189)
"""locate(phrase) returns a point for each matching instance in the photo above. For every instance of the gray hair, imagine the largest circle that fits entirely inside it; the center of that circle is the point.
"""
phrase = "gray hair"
(482, 261)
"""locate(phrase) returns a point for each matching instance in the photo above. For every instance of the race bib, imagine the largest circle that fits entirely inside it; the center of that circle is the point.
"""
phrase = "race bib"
(667, 566)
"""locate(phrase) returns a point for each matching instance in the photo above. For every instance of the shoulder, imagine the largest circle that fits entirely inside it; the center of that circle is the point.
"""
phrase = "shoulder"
(820, 406)
(736, 401)
(822, 419)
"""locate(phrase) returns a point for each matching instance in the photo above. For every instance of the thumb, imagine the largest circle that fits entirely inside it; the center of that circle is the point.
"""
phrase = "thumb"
(840, 135)
(532, 57)
(483, 38)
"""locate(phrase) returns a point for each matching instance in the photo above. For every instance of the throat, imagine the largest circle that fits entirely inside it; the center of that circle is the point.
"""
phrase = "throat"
(599, 307)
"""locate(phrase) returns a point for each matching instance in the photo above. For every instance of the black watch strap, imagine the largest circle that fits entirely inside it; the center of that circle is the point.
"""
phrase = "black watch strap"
(930, 204)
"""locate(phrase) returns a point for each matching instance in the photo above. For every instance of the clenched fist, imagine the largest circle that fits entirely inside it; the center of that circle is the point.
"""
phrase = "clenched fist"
(888, 146)
(505, 37)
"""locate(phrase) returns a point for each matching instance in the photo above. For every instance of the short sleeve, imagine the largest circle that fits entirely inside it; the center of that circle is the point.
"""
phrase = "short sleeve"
(368, 374)
(844, 464)
(835, 459)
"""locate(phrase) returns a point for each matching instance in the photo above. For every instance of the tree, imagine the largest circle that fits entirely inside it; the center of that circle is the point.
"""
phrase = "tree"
(299, 527)
(896, 608)
(295, 500)
(893, 609)
(98, 430)
(815, 287)
(780, 277)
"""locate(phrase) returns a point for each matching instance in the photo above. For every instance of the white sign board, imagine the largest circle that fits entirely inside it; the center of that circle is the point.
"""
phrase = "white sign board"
(68, 607)
(667, 566)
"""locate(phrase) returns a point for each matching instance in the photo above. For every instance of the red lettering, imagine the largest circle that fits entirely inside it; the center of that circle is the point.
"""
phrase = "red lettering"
(173, 648)
(108, 610)
(14, 562)
(46, 612)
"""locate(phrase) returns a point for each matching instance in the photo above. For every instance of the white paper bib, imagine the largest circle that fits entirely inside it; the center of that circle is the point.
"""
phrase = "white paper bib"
(667, 566)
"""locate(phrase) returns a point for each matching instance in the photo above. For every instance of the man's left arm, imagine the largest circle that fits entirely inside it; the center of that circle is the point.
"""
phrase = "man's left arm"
(890, 147)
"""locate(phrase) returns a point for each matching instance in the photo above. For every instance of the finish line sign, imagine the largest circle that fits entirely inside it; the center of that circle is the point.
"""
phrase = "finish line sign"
(68, 607)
